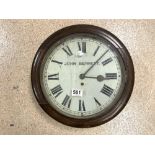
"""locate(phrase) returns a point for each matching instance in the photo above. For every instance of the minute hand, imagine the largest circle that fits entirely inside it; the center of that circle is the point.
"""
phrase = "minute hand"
(95, 63)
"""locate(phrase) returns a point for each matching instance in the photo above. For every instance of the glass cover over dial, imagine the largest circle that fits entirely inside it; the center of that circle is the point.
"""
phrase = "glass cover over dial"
(82, 75)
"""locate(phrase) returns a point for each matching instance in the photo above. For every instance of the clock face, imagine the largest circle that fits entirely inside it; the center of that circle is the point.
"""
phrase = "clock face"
(82, 77)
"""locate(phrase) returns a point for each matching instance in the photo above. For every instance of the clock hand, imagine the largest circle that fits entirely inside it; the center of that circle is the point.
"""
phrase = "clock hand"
(90, 77)
(82, 76)
(99, 78)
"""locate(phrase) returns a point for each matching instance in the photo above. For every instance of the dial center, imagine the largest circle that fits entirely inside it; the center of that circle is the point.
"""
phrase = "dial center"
(82, 76)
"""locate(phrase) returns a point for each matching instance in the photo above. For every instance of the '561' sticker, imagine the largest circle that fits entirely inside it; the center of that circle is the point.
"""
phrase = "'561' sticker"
(77, 92)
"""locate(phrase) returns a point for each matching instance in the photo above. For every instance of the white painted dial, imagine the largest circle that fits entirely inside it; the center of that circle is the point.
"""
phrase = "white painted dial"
(81, 76)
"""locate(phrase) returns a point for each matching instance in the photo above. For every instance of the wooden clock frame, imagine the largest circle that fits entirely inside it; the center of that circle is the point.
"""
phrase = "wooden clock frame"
(102, 117)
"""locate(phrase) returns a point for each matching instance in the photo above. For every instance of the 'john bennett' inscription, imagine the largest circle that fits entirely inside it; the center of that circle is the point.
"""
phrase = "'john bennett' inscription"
(80, 63)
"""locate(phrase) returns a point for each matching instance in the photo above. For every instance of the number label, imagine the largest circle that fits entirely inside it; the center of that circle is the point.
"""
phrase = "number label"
(77, 92)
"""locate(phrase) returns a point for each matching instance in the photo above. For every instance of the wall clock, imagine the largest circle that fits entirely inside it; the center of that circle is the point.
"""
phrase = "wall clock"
(82, 76)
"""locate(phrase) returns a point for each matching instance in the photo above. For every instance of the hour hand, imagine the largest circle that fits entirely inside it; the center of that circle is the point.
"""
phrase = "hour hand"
(99, 77)
(108, 76)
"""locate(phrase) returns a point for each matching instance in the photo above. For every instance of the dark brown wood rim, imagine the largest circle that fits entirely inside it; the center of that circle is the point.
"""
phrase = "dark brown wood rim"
(102, 118)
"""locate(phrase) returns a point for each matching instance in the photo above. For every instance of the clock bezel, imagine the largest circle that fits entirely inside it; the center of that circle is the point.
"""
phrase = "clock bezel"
(96, 120)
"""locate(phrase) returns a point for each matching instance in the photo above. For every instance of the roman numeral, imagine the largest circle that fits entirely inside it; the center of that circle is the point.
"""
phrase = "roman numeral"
(67, 101)
(107, 90)
(79, 46)
(53, 77)
(81, 106)
(67, 51)
(109, 76)
(56, 91)
(58, 62)
(96, 50)
(83, 48)
(98, 103)
(106, 61)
